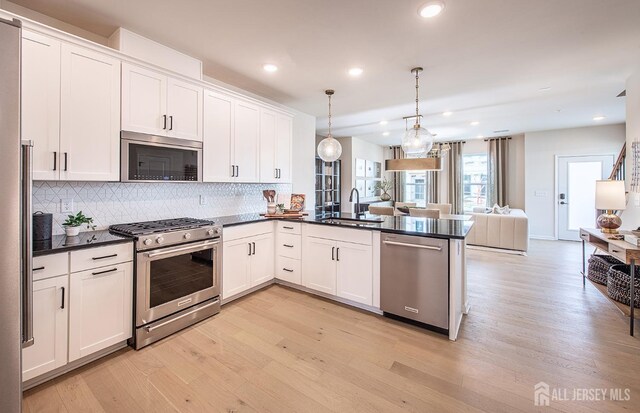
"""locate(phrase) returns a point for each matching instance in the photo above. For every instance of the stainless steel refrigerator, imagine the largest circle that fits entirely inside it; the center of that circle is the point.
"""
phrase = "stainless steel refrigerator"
(16, 326)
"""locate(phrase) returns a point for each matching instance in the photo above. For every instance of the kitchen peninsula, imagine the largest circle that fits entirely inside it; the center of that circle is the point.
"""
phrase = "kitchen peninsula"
(370, 262)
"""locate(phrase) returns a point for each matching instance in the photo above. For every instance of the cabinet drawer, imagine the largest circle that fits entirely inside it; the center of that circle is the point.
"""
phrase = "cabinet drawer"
(48, 266)
(101, 256)
(618, 252)
(333, 232)
(288, 269)
(246, 230)
(289, 246)
(286, 227)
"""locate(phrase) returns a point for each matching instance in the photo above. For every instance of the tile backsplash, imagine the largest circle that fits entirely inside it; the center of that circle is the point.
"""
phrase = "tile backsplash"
(115, 202)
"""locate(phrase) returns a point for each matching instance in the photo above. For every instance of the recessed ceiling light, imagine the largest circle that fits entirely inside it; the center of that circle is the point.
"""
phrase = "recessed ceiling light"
(270, 68)
(385, 133)
(544, 89)
(447, 113)
(355, 71)
(431, 9)
(480, 136)
(474, 123)
(599, 117)
(384, 122)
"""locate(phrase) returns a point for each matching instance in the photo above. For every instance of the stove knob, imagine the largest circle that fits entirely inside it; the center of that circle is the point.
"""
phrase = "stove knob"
(159, 240)
(147, 241)
(187, 236)
(211, 232)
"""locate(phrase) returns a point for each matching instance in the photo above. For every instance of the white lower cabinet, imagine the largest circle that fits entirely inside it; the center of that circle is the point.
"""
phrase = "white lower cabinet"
(343, 269)
(100, 314)
(50, 312)
(248, 258)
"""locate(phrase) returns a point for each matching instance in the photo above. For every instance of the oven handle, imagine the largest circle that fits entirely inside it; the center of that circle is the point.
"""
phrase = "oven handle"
(188, 313)
(191, 248)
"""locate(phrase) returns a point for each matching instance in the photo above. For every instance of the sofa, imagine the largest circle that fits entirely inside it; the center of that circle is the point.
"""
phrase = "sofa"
(508, 231)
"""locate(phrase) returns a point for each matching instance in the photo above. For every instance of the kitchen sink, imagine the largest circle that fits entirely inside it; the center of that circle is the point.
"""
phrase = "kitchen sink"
(353, 222)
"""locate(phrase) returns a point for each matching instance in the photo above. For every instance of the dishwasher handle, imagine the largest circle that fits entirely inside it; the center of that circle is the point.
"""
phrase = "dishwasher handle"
(404, 244)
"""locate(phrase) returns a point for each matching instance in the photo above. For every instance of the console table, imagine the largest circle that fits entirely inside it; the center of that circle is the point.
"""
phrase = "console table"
(622, 250)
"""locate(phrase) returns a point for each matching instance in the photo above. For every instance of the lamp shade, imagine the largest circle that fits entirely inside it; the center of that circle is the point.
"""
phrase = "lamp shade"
(610, 195)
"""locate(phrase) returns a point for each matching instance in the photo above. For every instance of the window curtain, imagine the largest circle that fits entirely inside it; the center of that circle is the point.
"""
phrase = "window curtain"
(398, 176)
(454, 172)
(498, 171)
(431, 191)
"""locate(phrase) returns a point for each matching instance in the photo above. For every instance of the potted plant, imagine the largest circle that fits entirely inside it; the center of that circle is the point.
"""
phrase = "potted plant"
(385, 186)
(73, 222)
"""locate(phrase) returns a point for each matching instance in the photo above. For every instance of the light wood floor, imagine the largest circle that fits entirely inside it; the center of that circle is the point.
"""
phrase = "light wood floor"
(280, 350)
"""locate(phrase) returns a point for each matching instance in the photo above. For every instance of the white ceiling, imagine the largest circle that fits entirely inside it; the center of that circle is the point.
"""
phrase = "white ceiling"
(484, 60)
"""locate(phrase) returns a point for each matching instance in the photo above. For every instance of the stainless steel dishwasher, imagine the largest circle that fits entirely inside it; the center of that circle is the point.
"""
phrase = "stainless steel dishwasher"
(414, 278)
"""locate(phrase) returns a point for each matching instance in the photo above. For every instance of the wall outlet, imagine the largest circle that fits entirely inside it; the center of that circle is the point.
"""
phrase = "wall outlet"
(203, 200)
(66, 205)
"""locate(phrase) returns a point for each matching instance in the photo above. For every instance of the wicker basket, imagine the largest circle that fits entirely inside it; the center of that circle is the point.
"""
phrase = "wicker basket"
(599, 267)
(618, 283)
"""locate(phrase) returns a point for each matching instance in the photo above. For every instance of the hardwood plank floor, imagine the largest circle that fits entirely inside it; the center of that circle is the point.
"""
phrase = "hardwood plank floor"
(280, 350)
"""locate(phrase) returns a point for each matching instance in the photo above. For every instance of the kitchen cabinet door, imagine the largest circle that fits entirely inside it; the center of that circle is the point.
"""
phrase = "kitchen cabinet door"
(284, 140)
(144, 100)
(100, 302)
(90, 115)
(268, 146)
(50, 312)
(355, 272)
(262, 261)
(319, 265)
(235, 267)
(246, 141)
(184, 108)
(218, 137)
(40, 100)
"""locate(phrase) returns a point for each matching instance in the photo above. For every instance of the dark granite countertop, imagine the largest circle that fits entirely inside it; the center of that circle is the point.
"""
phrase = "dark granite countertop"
(405, 225)
(89, 239)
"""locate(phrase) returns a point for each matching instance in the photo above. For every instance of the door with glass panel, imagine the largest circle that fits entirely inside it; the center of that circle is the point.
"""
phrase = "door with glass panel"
(577, 176)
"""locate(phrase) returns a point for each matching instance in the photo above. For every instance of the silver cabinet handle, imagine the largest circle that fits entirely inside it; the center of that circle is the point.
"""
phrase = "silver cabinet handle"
(188, 313)
(27, 244)
(191, 248)
(404, 244)
(104, 257)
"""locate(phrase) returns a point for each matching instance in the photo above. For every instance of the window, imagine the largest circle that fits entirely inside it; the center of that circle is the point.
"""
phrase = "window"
(474, 181)
(415, 187)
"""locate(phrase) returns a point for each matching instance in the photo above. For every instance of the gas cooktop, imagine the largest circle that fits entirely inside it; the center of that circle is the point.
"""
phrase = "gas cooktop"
(160, 226)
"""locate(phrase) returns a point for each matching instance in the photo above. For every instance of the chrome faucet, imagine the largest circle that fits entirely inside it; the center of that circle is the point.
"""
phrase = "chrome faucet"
(357, 206)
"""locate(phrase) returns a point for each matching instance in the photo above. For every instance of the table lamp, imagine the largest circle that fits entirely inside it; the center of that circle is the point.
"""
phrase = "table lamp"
(610, 197)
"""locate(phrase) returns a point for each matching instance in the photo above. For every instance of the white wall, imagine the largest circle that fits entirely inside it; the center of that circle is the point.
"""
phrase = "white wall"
(541, 149)
(352, 149)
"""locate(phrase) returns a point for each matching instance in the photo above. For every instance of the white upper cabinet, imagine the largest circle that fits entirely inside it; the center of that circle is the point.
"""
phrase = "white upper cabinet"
(156, 104)
(246, 141)
(218, 137)
(184, 107)
(144, 100)
(275, 146)
(284, 142)
(41, 102)
(268, 172)
(90, 115)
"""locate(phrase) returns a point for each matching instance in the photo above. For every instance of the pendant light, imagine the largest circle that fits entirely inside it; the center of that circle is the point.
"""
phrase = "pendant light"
(417, 141)
(329, 149)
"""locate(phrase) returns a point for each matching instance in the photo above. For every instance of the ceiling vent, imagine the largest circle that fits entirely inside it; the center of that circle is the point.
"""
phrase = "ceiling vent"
(501, 131)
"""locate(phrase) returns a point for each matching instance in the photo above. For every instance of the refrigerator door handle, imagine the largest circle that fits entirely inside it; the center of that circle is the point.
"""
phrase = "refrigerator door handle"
(27, 246)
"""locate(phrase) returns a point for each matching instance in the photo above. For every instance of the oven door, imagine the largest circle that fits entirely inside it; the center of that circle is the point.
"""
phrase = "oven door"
(174, 278)
(148, 158)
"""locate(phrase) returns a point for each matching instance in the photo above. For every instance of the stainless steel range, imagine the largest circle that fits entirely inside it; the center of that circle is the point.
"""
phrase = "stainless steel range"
(178, 270)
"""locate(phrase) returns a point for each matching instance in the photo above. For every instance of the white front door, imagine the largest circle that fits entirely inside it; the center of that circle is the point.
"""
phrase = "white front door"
(577, 176)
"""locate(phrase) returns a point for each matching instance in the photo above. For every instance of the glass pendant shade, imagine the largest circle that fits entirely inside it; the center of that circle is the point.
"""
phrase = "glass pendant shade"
(329, 149)
(417, 142)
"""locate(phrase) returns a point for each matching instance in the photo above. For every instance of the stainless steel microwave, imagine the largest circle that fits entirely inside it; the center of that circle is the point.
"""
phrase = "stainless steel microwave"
(149, 158)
